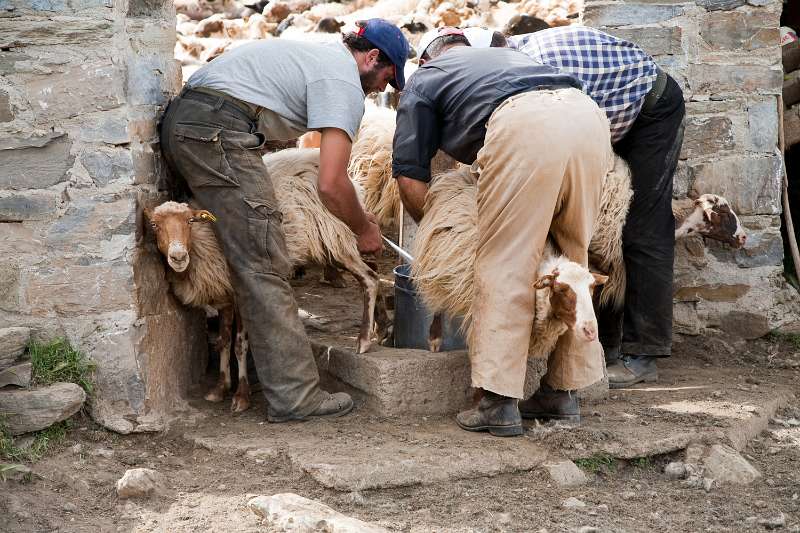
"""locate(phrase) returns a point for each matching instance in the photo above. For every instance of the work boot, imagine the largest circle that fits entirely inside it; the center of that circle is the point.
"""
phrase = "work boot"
(630, 370)
(550, 404)
(495, 413)
(334, 405)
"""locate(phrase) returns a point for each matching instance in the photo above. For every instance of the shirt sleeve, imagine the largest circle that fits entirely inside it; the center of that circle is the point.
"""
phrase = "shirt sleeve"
(416, 137)
(334, 103)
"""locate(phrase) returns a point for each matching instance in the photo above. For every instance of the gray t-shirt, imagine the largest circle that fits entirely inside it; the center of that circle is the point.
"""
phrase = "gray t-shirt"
(310, 85)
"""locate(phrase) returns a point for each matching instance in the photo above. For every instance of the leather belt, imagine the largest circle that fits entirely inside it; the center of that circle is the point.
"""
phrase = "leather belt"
(656, 91)
(221, 100)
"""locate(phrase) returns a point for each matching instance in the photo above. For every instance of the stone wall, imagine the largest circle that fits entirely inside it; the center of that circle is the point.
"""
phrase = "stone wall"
(81, 85)
(725, 56)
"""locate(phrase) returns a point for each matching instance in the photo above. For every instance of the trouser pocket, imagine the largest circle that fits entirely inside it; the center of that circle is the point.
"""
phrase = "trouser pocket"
(201, 157)
(266, 235)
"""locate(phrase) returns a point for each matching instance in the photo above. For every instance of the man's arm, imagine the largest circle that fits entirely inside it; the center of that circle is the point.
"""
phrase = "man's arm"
(338, 194)
(412, 193)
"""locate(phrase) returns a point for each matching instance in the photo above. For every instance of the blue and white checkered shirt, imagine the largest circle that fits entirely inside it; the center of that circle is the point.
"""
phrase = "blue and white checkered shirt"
(615, 73)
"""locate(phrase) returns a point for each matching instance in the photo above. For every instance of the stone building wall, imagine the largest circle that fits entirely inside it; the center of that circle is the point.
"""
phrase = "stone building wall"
(726, 57)
(81, 85)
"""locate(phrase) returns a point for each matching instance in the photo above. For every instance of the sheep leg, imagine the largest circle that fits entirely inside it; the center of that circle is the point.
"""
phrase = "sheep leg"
(368, 280)
(333, 276)
(435, 333)
(217, 393)
(241, 400)
(382, 321)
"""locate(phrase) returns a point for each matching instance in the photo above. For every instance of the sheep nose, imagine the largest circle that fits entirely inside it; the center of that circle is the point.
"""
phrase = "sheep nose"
(178, 256)
(742, 239)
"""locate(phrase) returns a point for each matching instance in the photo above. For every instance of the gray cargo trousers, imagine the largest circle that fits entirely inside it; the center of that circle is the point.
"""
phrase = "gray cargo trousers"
(211, 142)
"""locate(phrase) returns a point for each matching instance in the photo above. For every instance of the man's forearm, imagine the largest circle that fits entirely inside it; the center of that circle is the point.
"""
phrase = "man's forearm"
(340, 199)
(412, 194)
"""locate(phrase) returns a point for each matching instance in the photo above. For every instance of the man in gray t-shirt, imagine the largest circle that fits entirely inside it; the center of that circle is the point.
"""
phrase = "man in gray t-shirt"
(211, 136)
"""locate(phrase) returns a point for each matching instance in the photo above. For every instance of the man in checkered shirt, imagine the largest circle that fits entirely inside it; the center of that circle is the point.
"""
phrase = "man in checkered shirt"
(645, 109)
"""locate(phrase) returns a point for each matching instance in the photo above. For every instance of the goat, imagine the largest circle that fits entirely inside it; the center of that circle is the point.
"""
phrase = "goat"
(445, 243)
(199, 277)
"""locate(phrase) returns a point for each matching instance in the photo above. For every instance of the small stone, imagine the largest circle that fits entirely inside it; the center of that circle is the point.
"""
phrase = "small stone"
(76, 449)
(793, 422)
(34, 409)
(222, 486)
(588, 529)
(17, 472)
(751, 520)
(675, 470)
(602, 508)
(760, 504)
(69, 507)
(138, 482)
(290, 512)
(708, 484)
(628, 495)
(356, 498)
(773, 522)
(565, 473)
(103, 452)
(726, 465)
(573, 503)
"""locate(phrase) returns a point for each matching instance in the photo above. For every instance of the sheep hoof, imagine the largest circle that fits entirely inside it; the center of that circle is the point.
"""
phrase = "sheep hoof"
(240, 404)
(216, 395)
(364, 345)
(435, 345)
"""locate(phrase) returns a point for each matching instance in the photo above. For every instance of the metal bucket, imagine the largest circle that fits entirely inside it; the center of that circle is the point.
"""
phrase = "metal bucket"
(412, 320)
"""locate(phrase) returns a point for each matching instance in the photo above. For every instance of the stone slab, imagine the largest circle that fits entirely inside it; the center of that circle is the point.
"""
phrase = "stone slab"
(31, 410)
(17, 375)
(290, 512)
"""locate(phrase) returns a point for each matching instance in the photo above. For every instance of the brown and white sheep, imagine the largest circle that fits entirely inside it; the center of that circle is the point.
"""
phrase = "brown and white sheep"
(445, 244)
(199, 277)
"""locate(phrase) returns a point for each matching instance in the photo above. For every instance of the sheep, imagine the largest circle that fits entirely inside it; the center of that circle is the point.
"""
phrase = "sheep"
(371, 166)
(315, 235)
(199, 277)
(445, 244)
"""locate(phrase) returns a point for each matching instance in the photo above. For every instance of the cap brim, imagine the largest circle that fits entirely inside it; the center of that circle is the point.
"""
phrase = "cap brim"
(399, 80)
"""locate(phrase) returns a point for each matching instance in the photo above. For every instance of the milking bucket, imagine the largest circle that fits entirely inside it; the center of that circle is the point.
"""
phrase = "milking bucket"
(412, 320)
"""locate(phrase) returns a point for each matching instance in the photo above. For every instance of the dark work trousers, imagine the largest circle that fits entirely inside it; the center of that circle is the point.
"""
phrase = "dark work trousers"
(644, 325)
(211, 144)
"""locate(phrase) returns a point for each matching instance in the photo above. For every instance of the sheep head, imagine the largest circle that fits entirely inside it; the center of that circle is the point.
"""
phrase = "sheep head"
(571, 287)
(713, 218)
(172, 224)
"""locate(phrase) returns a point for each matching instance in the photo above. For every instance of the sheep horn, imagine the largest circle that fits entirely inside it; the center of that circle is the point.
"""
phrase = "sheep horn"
(206, 215)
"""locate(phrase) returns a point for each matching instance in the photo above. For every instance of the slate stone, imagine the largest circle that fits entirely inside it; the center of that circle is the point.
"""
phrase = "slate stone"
(36, 168)
(27, 206)
(31, 410)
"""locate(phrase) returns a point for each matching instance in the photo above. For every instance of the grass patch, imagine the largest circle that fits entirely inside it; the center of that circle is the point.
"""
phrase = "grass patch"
(43, 441)
(792, 339)
(58, 361)
(642, 462)
(597, 463)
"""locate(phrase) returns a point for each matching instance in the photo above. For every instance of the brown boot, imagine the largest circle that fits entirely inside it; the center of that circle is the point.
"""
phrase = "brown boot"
(496, 414)
(550, 404)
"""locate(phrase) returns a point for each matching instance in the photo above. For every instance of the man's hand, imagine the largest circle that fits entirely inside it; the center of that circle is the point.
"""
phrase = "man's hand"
(369, 241)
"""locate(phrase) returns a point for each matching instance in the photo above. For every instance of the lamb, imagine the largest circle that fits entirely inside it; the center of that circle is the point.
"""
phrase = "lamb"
(199, 277)
(445, 243)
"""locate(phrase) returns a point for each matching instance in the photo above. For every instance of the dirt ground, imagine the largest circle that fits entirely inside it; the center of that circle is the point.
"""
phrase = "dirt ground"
(73, 487)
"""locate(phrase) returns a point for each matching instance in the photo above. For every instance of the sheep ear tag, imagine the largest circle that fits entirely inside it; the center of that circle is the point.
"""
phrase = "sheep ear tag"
(207, 216)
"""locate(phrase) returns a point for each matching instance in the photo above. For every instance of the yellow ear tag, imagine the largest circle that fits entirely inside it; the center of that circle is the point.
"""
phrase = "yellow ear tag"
(205, 215)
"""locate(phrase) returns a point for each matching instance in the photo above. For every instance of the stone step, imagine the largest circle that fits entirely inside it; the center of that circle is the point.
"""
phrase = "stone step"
(394, 381)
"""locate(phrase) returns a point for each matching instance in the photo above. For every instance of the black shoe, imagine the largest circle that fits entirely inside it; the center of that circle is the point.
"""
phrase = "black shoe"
(630, 370)
(495, 413)
(550, 404)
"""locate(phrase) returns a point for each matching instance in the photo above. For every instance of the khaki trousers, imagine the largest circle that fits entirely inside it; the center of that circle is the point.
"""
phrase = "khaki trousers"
(542, 168)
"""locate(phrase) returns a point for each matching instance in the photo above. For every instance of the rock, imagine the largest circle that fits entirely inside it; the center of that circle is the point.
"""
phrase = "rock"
(573, 503)
(628, 495)
(139, 482)
(69, 507)
(12, 344)
(18, 375)
(32, 410)
(16, 472)
(675, 470)
(602, 508)
(103, 452)
(588, 529)
(773, 522)
(725, 465)
(565, 473)
(289, 512)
